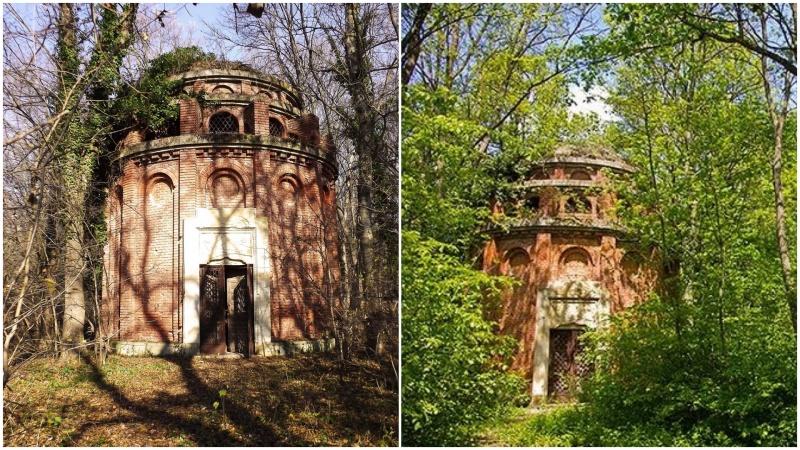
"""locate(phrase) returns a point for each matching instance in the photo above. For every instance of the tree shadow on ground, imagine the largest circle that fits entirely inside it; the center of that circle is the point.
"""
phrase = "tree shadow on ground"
(200, 430)
(270, 401)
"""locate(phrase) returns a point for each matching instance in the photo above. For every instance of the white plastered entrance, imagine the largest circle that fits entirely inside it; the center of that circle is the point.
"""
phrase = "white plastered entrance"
(226, 236)
(564, 303)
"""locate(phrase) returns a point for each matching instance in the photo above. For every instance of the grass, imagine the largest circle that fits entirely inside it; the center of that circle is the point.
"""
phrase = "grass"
(548, 426)
(571, 425)
(304, 400)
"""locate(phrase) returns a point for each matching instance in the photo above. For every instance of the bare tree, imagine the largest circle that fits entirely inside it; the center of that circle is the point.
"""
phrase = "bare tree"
(63, 64)
(344, 59)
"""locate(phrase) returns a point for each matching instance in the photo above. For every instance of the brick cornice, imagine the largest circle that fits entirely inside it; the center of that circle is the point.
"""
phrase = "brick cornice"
(583, 161)
(223, 75)
(168, 148)
(574, 226)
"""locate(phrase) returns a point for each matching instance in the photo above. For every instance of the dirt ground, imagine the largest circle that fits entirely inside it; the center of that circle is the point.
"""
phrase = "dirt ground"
(266, 401)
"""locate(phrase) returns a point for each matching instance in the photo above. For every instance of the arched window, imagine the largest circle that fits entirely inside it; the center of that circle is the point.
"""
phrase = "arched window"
(532, 203)
(540, 174)
(223, 122)
(575, 263)
(292, 102)
(578, 205)
(275, 127)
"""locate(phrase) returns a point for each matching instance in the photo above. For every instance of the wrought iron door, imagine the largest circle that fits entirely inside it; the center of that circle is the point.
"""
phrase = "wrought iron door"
(566, 369)
(226, 325)
(212, 310)
(240, 318)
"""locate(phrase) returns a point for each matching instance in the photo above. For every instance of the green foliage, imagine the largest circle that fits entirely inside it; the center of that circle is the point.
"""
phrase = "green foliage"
(454, 363)
(444, 177)
(651, 377)
(711, 359)
(151, 102)
(459, 153)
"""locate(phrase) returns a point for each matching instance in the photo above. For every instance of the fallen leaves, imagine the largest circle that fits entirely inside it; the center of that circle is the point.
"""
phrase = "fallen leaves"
(130, 401)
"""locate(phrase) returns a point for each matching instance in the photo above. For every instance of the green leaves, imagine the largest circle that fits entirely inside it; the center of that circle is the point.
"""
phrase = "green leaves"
(706, 359)
(151, 102)
(453, 362)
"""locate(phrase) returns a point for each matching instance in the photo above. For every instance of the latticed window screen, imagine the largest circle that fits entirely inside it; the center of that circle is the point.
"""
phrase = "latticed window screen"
(275, 127)
(223, 123)
(566, 367)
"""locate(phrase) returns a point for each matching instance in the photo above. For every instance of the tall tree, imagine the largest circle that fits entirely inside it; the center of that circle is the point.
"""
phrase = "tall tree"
(343, 59)
(768, 32)
(86, 139)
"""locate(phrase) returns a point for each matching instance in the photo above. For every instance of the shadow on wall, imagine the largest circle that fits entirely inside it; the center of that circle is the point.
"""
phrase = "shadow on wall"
(302, 243)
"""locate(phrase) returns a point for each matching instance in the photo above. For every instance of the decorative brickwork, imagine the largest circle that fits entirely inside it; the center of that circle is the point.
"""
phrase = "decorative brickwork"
(225, 192)
(558, 235)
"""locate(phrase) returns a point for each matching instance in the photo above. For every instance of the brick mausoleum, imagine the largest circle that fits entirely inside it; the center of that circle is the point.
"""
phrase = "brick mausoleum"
(222, 234)
(558, 235)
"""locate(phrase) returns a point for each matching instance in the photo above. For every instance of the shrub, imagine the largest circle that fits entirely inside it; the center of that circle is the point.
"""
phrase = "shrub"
(454, 365)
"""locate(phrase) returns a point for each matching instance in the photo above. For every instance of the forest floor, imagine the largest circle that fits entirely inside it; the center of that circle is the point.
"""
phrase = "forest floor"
(302, 400)
(529, 427)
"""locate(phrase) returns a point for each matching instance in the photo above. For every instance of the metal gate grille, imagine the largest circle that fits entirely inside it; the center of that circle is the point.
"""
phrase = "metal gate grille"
(566, 368)
(241, 306)
(223, 123)
(275, 127)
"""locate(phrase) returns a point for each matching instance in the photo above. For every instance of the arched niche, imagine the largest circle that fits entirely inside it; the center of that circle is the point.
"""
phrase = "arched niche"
(222, 89)
(580, 174)
(158, 190)
(225, 189)
(517, 260)
(289, 186)
(575, 263)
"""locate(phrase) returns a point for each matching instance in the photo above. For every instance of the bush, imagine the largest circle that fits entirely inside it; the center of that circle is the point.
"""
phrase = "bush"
(652, 377)
(454, 365)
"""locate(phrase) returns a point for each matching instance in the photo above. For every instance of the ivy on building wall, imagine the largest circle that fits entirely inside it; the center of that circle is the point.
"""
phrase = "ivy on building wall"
(150, 103)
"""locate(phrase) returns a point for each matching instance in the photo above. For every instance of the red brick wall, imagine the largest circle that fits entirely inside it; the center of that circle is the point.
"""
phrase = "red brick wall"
(143, 259)
(189, 115)
(298, 231)
(302, 238)
(148, 253)
(626, 283)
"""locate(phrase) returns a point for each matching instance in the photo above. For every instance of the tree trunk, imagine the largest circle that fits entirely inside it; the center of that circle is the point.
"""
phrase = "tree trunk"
(363, 132)
(412, 41)
(77, 175)
(780, 220)
(362, 128)
(74, 308)
(86, 139)
(74, 265)
(778, 112)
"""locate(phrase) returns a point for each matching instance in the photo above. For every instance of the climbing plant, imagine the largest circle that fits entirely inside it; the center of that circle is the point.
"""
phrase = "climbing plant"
(150, 101)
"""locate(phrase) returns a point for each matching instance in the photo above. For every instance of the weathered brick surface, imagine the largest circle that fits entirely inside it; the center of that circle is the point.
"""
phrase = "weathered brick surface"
(540, 255)
(143, 290)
